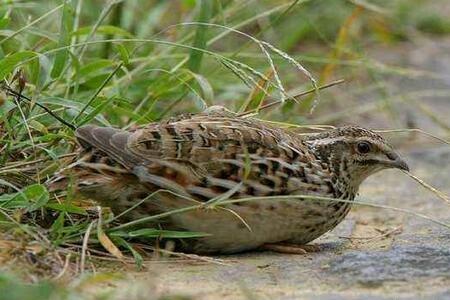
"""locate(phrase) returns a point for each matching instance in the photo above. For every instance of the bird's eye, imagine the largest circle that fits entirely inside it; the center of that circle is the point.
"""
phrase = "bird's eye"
(363, 147)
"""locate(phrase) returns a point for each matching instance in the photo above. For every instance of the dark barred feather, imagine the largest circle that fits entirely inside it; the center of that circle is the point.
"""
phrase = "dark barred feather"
(216, 153)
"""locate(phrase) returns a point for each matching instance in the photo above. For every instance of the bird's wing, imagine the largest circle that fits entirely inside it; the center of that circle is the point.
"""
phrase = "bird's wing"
(207, 155)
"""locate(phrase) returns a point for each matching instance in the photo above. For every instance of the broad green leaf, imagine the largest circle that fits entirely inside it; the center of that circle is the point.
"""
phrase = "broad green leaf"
(124, 53)
(94, 81)
(72, 104)
(37, 194)
(32, 197)
(94, 67)
(75, 63)
(11, 62)
(195, 57)
(4, 22)
(137, 257)
(57, 226)
(67, 207)
(64, 39)
(34, 68)
(96, 110)
(153, 233)
(6, 197)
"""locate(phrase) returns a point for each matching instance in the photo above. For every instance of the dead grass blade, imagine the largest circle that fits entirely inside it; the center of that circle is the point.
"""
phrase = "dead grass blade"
(279, 198)
(295, 197)
(256, 110)
(84, 246)
(105, 241)
(189, 256)
(435, 191)
(415, 130)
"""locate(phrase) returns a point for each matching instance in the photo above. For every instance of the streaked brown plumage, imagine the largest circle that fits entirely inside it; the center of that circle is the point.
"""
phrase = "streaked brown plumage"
(203, 156)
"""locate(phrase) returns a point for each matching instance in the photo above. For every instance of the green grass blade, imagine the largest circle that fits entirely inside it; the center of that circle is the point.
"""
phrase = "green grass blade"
(200, 40)
(64, 39)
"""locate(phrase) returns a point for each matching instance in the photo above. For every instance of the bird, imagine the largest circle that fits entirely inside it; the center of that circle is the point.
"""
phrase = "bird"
(287, 181)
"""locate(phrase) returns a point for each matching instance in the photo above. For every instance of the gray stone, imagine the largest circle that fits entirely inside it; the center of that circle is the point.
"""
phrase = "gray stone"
(399, 263)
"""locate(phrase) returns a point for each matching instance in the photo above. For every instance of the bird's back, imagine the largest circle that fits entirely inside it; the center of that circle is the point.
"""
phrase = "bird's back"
(207, 155)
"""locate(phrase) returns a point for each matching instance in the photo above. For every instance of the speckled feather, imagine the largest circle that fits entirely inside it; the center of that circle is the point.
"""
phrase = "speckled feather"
(206, 155)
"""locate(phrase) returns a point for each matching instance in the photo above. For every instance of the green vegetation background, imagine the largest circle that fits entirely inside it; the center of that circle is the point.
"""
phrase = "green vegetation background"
(127, 63)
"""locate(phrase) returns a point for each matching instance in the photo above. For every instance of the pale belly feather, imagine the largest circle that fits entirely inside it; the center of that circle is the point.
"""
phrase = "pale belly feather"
(252, 224)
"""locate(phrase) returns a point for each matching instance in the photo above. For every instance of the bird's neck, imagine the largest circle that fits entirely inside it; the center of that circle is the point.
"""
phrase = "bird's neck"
(345, 183)
(346, 186)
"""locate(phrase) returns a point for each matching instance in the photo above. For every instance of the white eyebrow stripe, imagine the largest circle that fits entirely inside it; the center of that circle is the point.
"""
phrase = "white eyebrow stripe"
(332, 140)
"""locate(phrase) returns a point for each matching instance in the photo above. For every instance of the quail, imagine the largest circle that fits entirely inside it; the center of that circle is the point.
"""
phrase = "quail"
(200, 158)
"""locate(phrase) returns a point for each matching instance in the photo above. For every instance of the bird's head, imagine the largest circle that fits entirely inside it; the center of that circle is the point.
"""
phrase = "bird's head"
(354, 153)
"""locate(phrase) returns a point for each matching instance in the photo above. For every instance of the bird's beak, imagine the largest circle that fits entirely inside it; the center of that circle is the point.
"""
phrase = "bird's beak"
(395, 161)
(401, 164)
